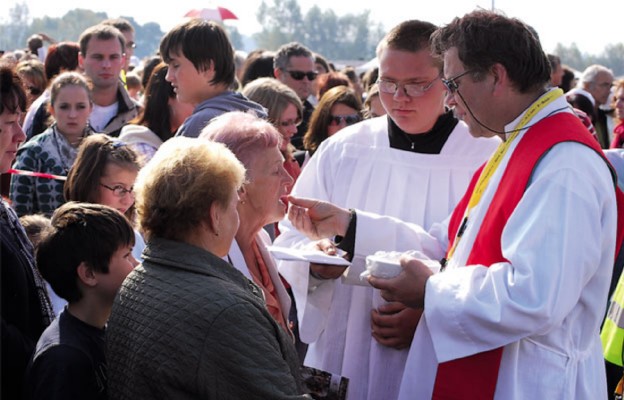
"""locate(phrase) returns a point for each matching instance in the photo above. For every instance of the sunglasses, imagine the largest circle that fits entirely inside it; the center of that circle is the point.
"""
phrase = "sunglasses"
(34, 91)
(299, 75)
(347, 119)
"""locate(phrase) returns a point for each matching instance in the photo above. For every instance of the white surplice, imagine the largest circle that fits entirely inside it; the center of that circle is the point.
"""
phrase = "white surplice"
(356, 168)
(546, 304)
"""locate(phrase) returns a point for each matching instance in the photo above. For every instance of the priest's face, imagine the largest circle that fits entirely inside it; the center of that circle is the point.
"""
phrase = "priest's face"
(416, 112)
(470, 100)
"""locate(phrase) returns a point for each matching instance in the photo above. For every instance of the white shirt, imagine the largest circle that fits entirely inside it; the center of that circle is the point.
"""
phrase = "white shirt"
(101, 116)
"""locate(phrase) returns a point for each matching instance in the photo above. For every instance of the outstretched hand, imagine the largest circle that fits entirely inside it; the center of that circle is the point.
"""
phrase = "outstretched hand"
(408, 287)
(318, 219)
(326, 271)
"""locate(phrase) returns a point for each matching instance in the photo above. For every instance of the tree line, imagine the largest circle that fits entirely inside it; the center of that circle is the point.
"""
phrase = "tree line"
(345, 37)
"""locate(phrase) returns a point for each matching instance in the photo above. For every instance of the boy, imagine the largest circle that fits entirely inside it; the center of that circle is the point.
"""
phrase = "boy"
(85, 256)
(201, 71)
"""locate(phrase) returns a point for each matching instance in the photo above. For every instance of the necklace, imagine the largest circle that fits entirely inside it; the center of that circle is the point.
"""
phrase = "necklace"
(409, 139)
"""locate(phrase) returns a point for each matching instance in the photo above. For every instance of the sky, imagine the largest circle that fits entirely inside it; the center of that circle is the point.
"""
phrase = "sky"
(589, 24)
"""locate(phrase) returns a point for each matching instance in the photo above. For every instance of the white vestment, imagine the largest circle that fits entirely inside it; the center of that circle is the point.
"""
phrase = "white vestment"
(544, 306)
(356, 168)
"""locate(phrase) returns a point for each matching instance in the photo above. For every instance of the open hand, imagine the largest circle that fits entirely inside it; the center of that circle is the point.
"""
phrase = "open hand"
(318, 219)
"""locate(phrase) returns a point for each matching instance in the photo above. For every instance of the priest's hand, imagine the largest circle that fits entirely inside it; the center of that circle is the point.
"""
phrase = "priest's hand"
(408, 287)
(393, 325)
(318, 219)
(325, 271)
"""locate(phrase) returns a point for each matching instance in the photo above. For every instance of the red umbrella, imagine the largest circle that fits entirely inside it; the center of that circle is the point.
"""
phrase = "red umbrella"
(212, 14)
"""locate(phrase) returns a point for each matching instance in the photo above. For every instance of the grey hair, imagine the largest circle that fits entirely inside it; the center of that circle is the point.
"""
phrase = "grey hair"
(591, 72)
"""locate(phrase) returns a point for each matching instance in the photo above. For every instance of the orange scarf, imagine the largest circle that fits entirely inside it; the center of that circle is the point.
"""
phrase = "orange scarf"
(264, 281)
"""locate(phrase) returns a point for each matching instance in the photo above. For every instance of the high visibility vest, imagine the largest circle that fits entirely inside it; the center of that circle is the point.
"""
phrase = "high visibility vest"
(612, 334)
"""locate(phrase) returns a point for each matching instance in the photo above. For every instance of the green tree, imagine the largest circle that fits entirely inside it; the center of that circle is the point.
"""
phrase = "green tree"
(611, 57)
(282, 23)
(13, 34)
(68, 27)
(347, 37)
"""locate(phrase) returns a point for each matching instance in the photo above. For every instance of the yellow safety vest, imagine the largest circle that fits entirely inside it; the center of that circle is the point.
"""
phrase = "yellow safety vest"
(612, 334)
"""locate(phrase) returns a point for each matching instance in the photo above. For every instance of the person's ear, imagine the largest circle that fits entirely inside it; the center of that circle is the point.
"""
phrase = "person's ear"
(86, 274)
(215, 217)
(277, 73)
(81, 60)
(209, 72)
(242, 195)
(500, 77)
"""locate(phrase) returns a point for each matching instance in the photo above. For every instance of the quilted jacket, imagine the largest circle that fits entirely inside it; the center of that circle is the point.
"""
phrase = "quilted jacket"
(187, 325)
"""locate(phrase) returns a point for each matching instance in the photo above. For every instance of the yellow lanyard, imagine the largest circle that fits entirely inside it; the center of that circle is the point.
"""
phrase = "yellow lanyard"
(497, 157)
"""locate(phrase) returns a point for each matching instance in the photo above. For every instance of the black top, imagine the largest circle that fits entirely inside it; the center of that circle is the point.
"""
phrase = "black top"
(297, 139)
(69, 362)
(25, 308)
(425, 143)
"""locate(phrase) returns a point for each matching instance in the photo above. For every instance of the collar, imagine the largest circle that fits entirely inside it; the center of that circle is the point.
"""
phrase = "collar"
(430, 142)
(560, 104)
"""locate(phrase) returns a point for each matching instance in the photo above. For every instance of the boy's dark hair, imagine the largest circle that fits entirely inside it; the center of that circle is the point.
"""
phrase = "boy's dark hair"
(410, 36)
(100, 32)
(80, 232)
(202, 43)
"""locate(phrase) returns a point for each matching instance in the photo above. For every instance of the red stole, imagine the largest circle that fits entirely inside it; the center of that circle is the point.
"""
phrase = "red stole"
(475, 376)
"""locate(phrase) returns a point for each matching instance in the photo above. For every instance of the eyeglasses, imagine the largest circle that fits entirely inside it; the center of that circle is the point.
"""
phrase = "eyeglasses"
(290, 122)
(118, 190)
(348, 119)
(410, 89)
(451, 85)
(299, 75)
(604, 85)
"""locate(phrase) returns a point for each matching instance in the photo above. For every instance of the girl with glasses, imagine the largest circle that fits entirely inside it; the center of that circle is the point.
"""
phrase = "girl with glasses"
(104, 173)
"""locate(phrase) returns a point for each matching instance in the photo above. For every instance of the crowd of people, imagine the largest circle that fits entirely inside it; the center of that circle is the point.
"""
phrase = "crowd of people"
(145, 203)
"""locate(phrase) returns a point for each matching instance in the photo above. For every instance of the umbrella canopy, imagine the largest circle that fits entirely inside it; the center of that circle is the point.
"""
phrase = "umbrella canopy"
(212, 14)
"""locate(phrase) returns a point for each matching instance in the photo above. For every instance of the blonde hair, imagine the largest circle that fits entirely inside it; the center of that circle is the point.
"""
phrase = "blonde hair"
(175, 190)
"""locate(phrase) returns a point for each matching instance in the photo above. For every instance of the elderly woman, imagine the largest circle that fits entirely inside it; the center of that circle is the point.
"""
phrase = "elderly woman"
(26, 309)
(186, 324)
(256, 143)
